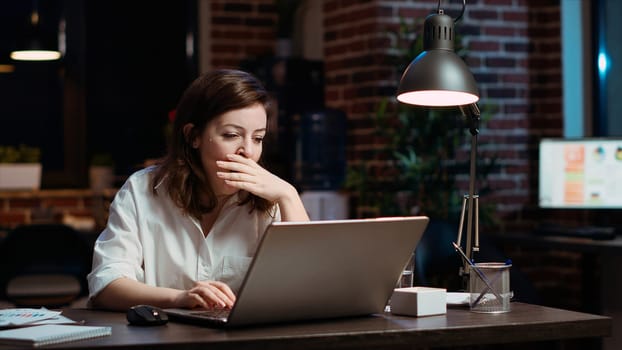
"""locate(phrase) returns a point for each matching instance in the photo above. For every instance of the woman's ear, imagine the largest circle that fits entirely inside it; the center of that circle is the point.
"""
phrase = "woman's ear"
(189, 135)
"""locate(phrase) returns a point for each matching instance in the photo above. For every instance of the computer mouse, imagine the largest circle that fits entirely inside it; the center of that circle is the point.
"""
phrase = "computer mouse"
(146, 315)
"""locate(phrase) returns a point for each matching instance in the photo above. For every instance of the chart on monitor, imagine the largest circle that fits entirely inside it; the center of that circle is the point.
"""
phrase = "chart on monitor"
(580, 173)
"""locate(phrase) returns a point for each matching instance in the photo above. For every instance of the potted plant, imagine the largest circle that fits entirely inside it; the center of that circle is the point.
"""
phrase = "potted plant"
(101, 171)
(20, 168)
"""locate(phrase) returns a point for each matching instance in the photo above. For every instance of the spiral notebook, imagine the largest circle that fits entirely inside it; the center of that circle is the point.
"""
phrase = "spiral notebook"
(48, 334)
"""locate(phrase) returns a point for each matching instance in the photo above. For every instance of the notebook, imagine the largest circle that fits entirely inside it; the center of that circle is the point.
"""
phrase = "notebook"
(320, 270)
(36, 336)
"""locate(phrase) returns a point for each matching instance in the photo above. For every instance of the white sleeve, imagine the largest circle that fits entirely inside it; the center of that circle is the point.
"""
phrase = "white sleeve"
(118, 250)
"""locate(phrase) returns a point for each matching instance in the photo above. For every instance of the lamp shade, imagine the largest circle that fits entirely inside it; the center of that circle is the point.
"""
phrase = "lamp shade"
(438, 77)
(36, 45)
(35, 55)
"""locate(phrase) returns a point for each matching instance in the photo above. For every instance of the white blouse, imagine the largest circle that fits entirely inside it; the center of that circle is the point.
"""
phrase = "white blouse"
(149, 239)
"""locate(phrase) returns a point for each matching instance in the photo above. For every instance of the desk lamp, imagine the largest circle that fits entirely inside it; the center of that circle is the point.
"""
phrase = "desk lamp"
(35, 47)
(439, 78)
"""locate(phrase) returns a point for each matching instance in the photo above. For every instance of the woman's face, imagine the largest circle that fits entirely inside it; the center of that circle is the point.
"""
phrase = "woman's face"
(240, 131)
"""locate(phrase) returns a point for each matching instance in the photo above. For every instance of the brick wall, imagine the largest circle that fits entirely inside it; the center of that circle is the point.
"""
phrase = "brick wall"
(358, 68)
(83, 209)
(240, 30)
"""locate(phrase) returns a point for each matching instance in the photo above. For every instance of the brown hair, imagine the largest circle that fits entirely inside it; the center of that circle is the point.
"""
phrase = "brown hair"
(181, 170)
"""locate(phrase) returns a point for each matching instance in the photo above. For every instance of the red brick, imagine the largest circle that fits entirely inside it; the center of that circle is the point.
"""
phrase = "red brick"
(479, 46)
(63, 202)
(14, 218)
(23, 203)
(515, 16)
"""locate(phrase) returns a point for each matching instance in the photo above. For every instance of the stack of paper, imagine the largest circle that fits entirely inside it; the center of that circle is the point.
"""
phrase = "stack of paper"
(30, 317)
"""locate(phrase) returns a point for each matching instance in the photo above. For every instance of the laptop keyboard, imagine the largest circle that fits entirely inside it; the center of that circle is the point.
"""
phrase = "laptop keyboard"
(213, 313)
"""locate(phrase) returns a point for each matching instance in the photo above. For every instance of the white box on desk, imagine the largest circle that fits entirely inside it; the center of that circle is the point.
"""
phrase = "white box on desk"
(419, 301)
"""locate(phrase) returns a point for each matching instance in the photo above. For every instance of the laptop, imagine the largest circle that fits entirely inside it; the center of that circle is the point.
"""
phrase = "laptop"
(319, 270)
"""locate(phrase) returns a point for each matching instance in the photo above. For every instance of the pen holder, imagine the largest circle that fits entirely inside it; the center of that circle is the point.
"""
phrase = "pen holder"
(489, 287)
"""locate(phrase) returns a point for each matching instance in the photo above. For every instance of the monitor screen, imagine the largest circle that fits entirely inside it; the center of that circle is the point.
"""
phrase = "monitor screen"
(580, 173)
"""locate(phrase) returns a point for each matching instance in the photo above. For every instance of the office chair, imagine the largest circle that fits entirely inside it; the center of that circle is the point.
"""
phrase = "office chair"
(44, 265)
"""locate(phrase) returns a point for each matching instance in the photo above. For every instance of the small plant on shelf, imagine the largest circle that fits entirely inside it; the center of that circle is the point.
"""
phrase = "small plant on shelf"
(20, 168)
(20, 154)
(102, 159)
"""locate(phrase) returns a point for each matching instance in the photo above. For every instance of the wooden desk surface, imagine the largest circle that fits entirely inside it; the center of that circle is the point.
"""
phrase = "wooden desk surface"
(458, 327)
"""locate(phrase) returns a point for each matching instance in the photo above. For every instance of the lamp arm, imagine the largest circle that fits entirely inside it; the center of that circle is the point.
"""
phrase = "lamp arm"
(461, 12)
(473, 212)
(472, 113)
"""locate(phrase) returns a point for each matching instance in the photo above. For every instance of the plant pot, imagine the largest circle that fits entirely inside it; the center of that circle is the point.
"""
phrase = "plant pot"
(101, 177)
(20, 176)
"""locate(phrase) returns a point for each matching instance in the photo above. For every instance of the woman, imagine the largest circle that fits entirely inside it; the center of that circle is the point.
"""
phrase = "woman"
(182, 233)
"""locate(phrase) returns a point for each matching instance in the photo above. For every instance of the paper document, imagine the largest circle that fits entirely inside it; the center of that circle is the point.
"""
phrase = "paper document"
(456, 298)
(26, 316)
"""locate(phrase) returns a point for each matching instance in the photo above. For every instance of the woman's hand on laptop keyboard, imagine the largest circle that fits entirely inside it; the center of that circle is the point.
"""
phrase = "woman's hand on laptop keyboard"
(207, 294)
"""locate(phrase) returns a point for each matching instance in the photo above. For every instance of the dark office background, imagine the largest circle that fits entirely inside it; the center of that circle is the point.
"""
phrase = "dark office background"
(125, 66)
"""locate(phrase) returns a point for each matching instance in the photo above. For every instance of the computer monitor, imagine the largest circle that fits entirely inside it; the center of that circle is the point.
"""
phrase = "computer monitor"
(582, 173)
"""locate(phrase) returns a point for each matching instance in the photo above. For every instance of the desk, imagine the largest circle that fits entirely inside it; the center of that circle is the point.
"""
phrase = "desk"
(525, 323)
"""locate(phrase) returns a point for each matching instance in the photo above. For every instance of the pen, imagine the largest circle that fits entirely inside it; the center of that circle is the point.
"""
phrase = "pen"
(480, 274)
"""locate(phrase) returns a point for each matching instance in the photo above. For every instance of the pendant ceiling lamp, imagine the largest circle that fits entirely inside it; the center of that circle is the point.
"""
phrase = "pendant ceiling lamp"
(37, 45)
